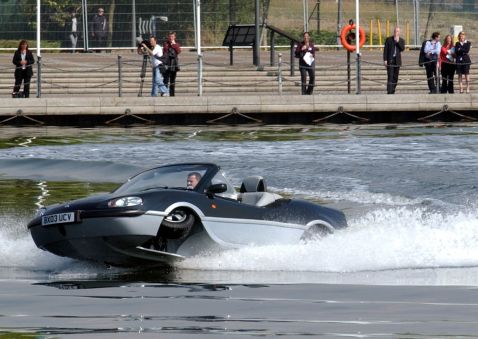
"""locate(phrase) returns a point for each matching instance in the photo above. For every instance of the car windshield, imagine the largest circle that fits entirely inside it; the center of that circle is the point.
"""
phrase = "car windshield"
(184, 176)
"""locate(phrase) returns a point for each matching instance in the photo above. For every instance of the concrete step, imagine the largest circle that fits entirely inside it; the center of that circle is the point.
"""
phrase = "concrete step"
(75, 81)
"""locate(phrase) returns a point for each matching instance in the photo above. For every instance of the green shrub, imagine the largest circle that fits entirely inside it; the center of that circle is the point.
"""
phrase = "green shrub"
(31, 44)
(322, 38)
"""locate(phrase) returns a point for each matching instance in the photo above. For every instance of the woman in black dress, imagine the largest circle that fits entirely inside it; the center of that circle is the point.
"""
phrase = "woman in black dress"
(305, 51)
(463, 61)
(23, 60)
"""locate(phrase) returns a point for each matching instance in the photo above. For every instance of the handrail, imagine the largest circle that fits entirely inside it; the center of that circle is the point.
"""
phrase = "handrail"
(293, 40)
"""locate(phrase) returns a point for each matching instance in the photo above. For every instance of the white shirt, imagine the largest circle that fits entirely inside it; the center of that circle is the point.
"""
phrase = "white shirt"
(74, 24)
(433, 47)
(24, 57)
(157, 53)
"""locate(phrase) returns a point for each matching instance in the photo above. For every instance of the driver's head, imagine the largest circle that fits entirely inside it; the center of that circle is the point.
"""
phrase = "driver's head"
(193, 179)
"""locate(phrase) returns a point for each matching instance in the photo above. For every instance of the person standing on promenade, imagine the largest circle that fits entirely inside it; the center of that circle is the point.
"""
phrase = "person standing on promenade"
(72, 30)
(447, 65)
(463, 61)
(23, 60)
(392, 58)
(432, 51)
(305, 51)
(99, 29)
(156, 56)
(171, 49)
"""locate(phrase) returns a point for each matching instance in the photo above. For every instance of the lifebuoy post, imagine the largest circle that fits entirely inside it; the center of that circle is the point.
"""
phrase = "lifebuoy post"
(348, 37)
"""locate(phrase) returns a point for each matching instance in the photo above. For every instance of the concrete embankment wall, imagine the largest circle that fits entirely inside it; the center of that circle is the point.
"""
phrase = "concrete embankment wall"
(373, 108)
(84, 89)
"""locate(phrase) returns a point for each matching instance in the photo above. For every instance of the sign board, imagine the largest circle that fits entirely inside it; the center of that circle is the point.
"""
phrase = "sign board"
(454, 30)
(240, 35)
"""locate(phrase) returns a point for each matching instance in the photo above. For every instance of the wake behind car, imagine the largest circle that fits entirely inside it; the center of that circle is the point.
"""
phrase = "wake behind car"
(171, 212)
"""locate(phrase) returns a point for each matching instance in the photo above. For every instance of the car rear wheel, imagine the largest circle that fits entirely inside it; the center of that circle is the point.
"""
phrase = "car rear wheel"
(316, 232)
(177, 224)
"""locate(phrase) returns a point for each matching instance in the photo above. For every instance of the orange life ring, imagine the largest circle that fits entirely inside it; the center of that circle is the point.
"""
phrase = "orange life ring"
(343, 37)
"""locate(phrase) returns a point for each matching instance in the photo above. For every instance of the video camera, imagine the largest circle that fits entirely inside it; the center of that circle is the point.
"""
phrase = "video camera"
(140, 44)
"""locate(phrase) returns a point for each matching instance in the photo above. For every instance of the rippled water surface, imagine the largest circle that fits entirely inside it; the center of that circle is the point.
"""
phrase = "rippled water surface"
(406, 266)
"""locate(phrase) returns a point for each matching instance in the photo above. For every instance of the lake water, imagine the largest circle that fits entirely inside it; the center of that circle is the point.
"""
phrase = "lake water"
(406, 267)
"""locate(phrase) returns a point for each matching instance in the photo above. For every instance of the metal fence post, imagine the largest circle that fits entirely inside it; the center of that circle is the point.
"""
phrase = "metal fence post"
(349, 73)
(279, 72)
(292, 57)
(272, 42)
(120, 77)
(359, 75)
(200, 75)
(39, 77)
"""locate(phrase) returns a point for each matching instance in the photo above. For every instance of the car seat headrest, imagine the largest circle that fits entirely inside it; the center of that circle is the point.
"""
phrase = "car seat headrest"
(254, 183)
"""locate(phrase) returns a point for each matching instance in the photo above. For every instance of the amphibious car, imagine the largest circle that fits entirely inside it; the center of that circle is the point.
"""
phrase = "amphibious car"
(171, 212)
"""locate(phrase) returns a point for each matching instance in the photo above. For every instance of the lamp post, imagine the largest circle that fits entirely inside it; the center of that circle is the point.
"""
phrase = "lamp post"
(133, 22)
(38, 28)
(257, 44)
(306, 16)
(339, 20)
(197, 10)
(38, 49)
(84, 13)
(416, 13)
(357, 42)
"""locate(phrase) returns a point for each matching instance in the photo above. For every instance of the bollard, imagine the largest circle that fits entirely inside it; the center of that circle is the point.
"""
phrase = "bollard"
(120, 77)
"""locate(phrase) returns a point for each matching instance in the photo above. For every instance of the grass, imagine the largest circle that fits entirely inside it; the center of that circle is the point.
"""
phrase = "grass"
(31, 44)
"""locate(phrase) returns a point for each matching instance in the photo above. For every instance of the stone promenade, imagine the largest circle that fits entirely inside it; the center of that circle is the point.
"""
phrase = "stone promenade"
(103, 88)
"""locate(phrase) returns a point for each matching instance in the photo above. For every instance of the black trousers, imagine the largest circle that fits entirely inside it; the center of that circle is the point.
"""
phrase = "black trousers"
(431, 69)
(392, 76)
(447, 74)
(100, 42)
(304, 70)
(170, 81)
(22, 75)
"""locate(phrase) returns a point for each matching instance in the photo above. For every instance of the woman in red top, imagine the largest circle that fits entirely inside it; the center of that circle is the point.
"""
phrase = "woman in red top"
(447, 65)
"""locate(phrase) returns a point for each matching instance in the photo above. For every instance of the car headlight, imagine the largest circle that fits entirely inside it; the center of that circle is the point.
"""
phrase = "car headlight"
(125, 202)
(40, 212)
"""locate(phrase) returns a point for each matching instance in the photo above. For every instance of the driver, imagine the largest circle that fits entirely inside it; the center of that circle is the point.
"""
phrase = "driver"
(193, 179)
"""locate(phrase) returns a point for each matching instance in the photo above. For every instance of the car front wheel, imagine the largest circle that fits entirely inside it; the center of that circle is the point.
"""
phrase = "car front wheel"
(177, 224)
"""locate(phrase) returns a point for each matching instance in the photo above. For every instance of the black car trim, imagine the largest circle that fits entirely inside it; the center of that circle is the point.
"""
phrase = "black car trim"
(256, 221)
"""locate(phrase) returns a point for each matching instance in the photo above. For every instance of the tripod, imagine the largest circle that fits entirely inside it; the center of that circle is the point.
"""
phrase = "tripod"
(143, 74)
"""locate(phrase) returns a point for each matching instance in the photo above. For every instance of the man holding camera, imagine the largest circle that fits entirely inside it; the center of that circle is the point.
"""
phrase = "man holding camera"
(171, 49)
(156, 54)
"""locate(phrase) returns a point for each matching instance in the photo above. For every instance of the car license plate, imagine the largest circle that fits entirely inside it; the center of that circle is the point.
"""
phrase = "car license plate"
(59, 218)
